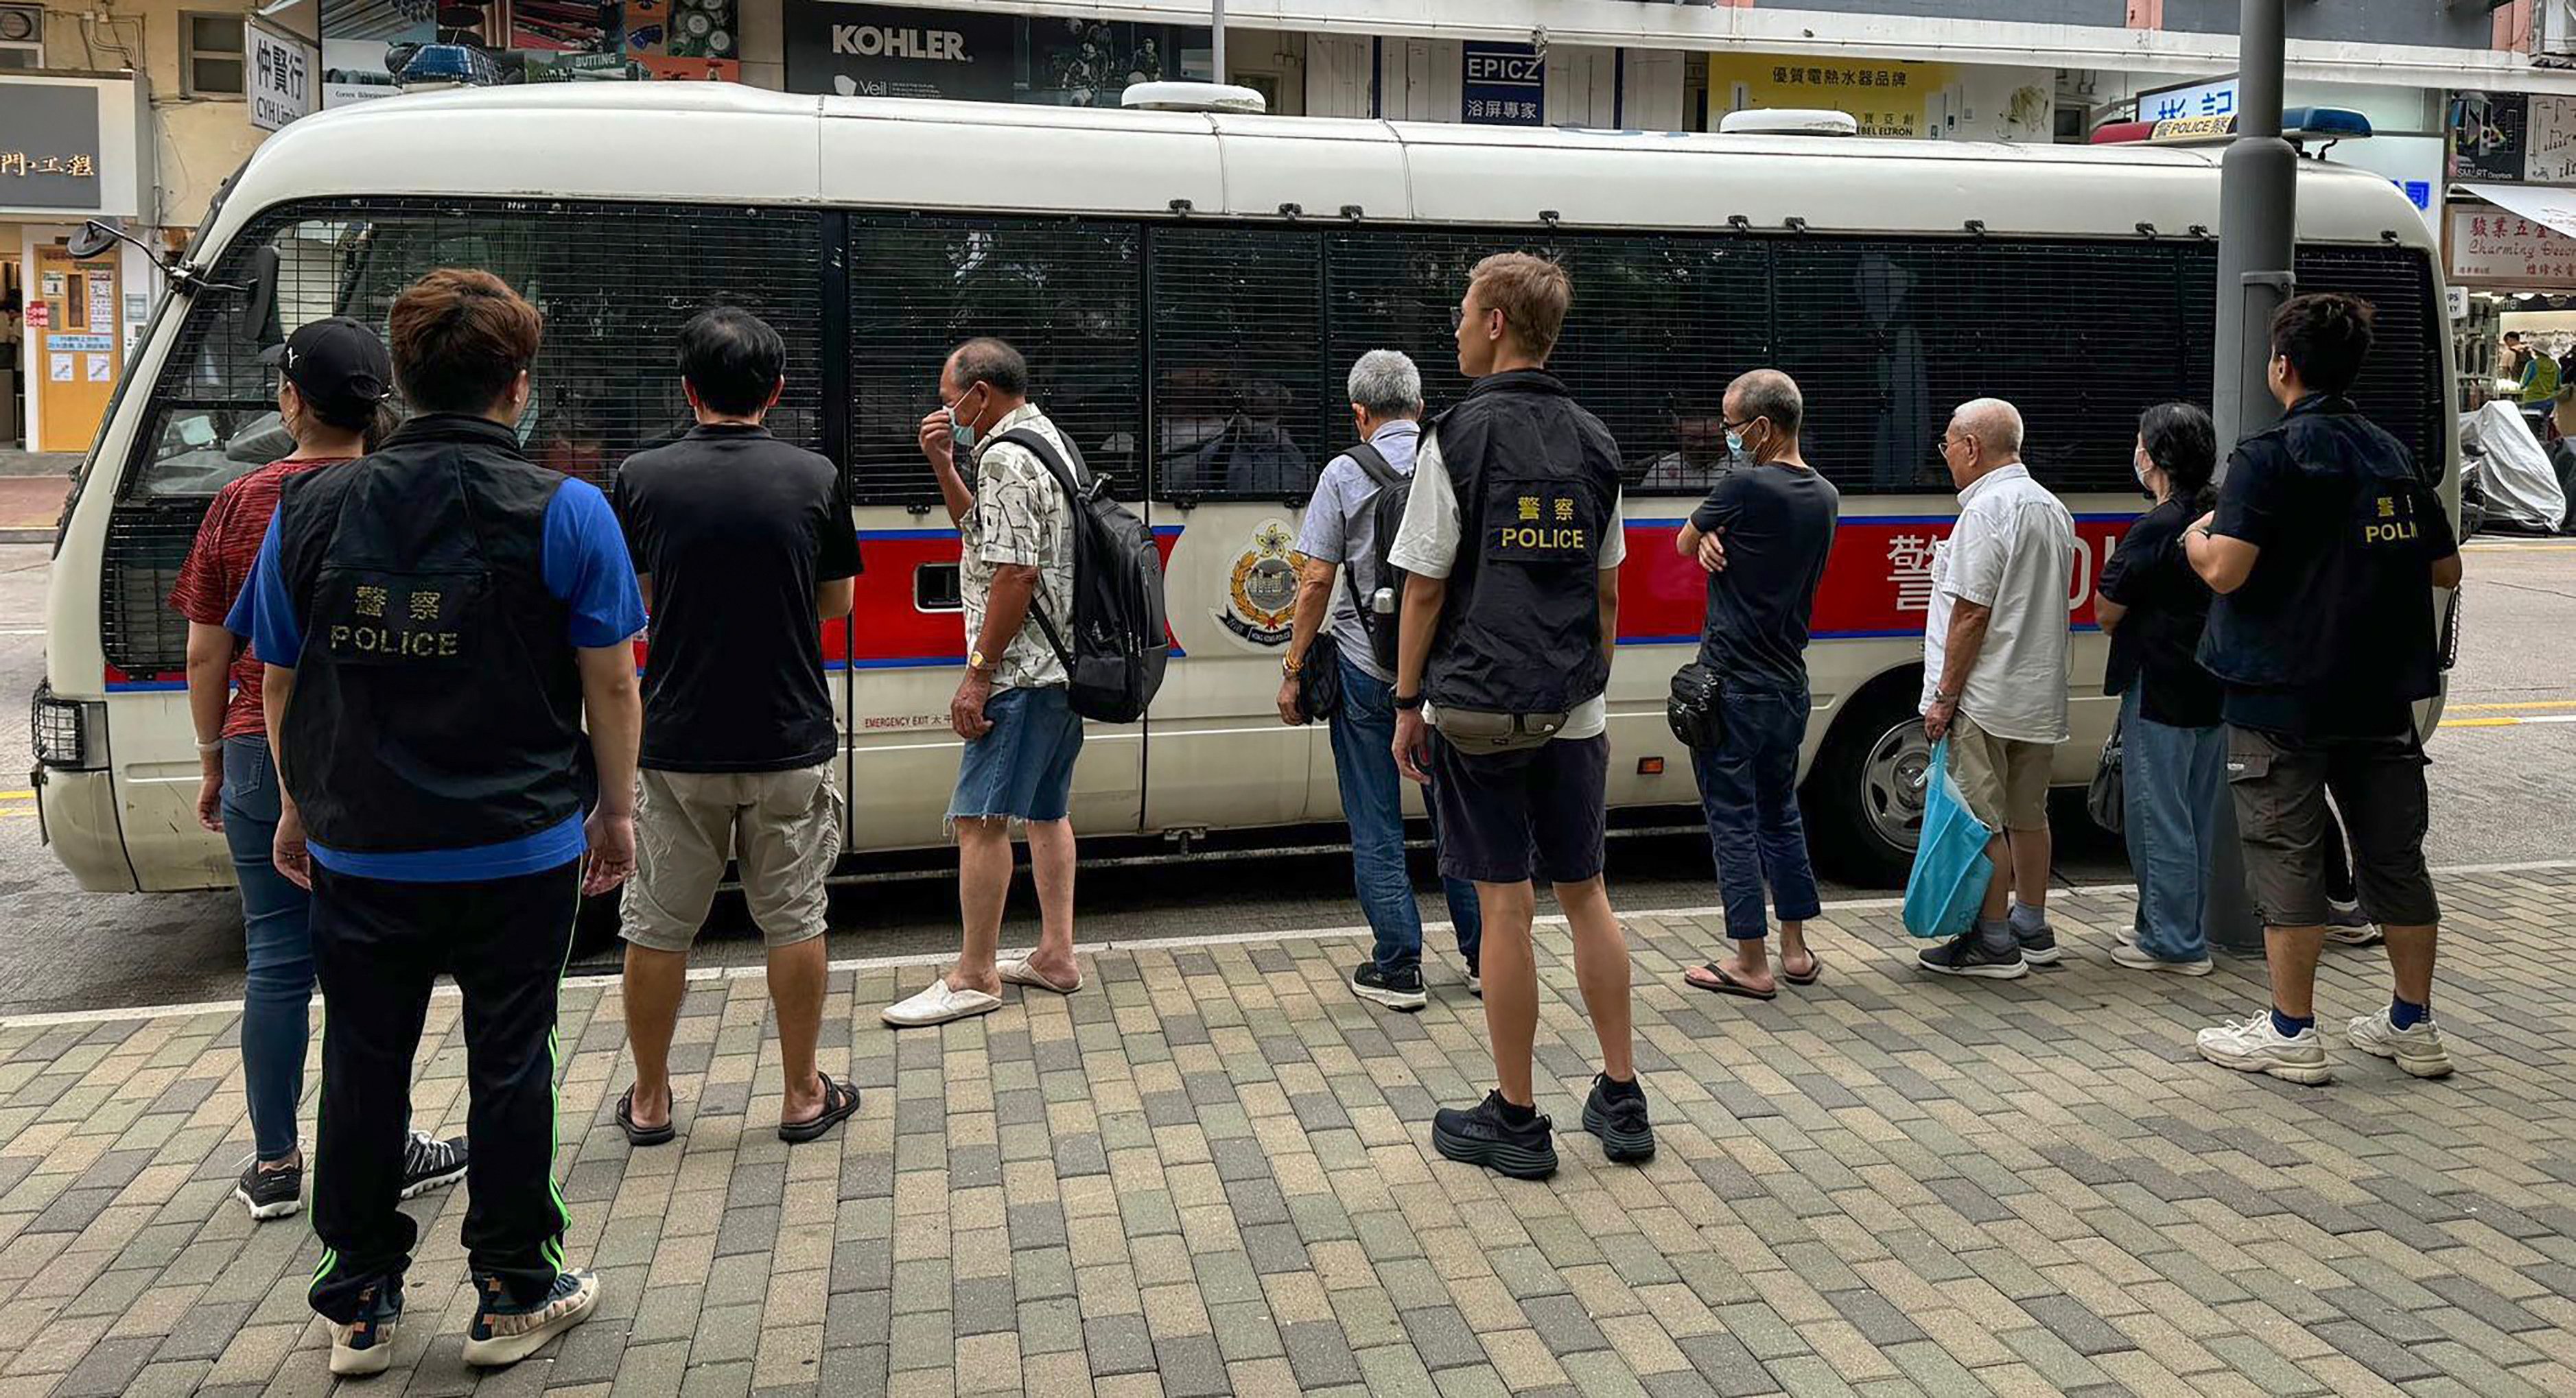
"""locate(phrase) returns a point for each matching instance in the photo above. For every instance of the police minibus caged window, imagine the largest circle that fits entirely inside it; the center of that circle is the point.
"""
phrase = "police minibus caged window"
(615, 283)
(1067, 294)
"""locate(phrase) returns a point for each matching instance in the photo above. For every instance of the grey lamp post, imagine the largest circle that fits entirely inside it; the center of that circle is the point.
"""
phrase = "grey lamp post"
(2257, 215)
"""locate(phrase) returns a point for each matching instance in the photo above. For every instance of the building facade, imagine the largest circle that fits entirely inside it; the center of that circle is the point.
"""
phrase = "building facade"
(182, 90)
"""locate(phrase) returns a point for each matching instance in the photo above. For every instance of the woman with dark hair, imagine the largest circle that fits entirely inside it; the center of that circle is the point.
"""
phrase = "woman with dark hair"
(334, 398)
(2173, 752)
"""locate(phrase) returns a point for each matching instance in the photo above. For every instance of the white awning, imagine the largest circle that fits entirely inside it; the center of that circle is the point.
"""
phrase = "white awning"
(2554, 207)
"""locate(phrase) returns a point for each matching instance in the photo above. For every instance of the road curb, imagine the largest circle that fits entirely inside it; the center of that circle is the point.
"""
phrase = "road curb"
(44, 535)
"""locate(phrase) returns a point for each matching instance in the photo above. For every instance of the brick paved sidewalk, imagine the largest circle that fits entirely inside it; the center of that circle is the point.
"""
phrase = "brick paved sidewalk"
(1210, 1171)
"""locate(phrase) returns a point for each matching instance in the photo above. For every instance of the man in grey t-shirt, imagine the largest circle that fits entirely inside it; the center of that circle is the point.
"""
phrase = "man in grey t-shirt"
(1341, 533)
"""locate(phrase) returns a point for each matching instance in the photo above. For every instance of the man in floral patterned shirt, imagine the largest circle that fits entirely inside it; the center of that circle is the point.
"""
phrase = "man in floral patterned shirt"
(1015, 562)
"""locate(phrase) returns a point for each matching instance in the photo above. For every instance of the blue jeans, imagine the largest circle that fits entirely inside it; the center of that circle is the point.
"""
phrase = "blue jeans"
(2171, 777)
(277, 994)
(1748, 788)
(1373, 802)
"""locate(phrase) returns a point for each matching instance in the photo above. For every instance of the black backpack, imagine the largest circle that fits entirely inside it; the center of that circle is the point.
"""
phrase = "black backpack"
(1386, 515)
(1120, 643)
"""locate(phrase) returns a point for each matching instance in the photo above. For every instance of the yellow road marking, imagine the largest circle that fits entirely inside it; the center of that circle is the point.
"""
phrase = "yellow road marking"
(17, 796)
(2481, 722)
(2516, 704)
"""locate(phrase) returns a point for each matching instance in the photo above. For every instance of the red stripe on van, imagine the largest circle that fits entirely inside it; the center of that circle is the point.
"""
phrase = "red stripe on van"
(1877, 584)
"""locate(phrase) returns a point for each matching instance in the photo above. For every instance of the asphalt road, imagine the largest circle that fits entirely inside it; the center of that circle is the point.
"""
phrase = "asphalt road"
(2504, 769)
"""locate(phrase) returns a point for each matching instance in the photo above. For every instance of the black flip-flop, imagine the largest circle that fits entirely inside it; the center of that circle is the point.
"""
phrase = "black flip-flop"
(1728, 985)
(840, 1099)
(1815, 969)
(643, 1135)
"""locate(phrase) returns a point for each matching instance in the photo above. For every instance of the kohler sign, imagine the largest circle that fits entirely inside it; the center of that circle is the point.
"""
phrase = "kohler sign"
(880, 41)
(858, 49)
(898, 51)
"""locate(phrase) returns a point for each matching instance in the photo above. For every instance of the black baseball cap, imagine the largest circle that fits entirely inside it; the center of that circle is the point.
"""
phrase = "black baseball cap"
(338, 365)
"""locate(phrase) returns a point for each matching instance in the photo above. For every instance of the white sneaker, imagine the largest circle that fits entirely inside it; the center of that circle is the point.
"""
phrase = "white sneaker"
(2257, 1046)
(1476, 984)
(2346, 926)
(939, 1004)
(2418, 1050)
(2136, 958)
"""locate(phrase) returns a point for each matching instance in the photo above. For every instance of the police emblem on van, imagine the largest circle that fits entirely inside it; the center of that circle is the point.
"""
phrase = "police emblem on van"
(1261, 600)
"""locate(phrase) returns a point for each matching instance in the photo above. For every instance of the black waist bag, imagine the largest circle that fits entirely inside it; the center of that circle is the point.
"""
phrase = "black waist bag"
(1693, 709)
(1319, 682)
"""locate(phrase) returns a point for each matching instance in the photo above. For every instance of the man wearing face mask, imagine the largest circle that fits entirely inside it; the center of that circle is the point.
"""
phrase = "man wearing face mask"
(1015, 566)
(1763, 534)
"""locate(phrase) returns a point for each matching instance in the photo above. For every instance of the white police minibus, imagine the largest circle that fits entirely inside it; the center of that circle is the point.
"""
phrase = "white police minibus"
(1190, 290)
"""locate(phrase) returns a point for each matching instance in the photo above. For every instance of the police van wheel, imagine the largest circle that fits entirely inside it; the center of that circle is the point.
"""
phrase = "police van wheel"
(594, 929)
(1865, 793)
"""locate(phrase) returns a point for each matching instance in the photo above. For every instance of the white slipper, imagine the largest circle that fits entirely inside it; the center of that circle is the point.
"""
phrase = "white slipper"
(1017, 971)
(939, 1004)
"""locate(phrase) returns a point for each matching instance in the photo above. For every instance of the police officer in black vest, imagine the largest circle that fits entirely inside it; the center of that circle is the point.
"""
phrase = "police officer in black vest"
(1512, 540)
(2324, 551)
(438, 620)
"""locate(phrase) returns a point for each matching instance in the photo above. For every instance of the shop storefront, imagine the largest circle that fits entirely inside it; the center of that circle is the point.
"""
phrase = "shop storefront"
(71, 148)
(1888, 97)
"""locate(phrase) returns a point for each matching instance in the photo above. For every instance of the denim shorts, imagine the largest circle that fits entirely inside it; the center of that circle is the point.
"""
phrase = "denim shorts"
(1023, 768)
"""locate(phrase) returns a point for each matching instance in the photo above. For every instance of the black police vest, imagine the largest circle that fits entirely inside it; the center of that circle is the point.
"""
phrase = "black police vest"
(1536, 478)
(437, 703)
(2342, 599)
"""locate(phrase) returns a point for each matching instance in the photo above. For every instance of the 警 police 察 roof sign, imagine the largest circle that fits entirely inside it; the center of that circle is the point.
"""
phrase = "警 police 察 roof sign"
(2176, 130)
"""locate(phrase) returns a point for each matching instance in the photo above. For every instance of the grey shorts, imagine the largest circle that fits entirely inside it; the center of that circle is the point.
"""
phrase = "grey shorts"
(784, 829)
(2280, 788)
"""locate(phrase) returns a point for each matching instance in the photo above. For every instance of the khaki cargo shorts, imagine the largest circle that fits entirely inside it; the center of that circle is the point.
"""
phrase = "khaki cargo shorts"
(2004, 779)
(783, 827)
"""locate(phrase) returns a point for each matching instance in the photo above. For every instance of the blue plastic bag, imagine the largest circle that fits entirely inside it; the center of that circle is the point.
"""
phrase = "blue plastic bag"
(1951, 869)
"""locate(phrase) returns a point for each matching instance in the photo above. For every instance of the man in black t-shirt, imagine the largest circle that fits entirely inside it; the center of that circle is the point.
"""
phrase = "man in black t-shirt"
(745, 548)
(2324, 551)
(1763, 534)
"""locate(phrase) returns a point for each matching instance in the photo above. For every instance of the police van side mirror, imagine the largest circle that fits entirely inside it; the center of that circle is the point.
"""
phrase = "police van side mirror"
(91, 239)
(258, 323)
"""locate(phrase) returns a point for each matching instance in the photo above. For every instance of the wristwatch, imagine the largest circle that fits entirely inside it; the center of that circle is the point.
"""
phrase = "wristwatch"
(1291, 664)
(1403, 701)
(976, 661)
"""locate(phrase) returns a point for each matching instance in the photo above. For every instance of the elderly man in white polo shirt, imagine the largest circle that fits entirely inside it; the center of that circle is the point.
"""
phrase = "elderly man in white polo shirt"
(1994, 678)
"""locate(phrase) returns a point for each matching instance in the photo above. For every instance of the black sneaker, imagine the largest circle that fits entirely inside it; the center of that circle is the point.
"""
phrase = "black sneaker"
(1626, 1136)
(430, 1163)
(270, 1193)
(1480, 1136)
(506, 1334)
(2039, 948)
(1400, 991)
(366, 1345)
(1966, 955)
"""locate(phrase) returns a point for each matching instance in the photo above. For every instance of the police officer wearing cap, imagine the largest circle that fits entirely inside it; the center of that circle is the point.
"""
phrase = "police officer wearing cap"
(1512, 538)
(438, 621)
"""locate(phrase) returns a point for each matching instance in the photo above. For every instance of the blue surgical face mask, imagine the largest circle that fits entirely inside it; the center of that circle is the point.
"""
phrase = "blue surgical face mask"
(961, 429)
(1735, 445)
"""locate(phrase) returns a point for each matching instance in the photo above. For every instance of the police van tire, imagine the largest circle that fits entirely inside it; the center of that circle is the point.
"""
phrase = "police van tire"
(1863, 798)
(594, 928)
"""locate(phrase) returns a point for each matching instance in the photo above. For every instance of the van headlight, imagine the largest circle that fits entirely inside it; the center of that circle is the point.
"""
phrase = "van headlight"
(66, 731)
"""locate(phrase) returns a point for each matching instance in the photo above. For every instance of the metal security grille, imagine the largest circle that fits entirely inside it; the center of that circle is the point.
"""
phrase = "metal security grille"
(1069, 295)
(1239, 370)
(1395, 291)
(615, 281)
(2401, 384)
